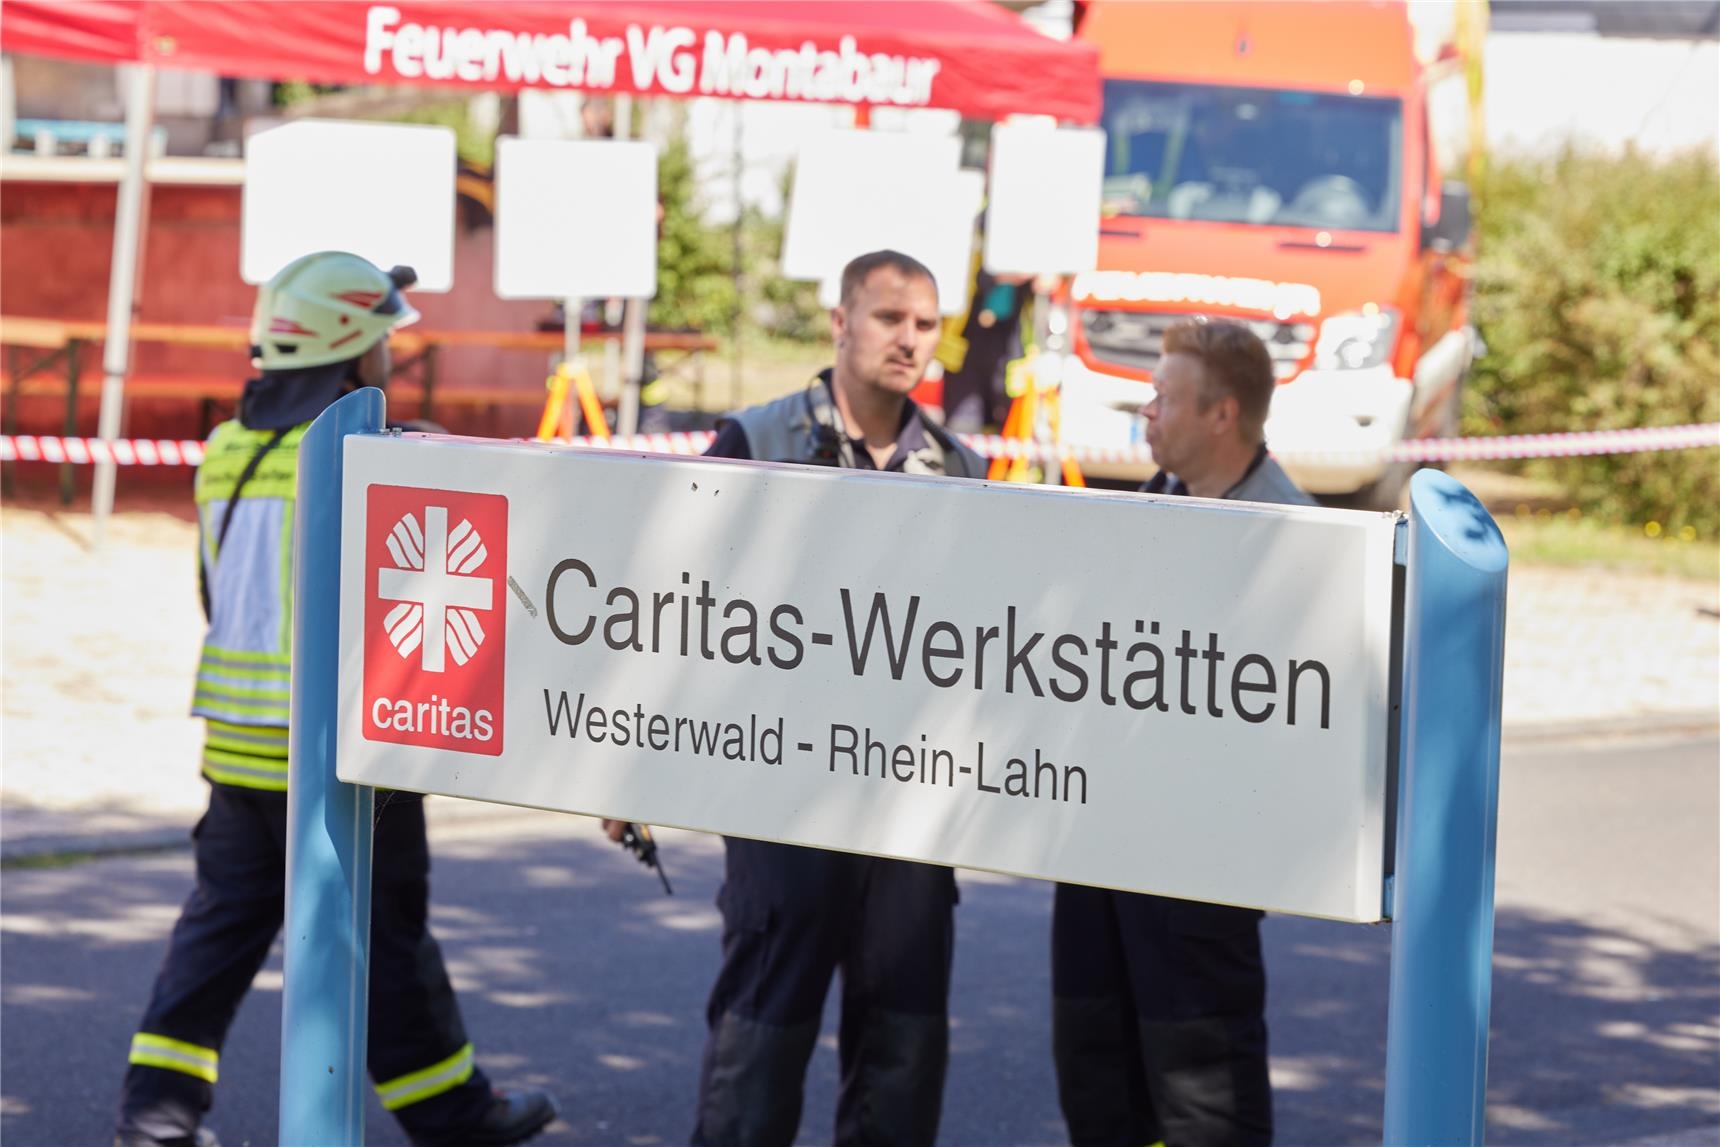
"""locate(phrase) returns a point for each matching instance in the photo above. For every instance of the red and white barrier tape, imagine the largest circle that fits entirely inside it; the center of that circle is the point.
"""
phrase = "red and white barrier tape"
(680, 442)
(168, 452)
(122, 451)
(1414, 450)
(1643, 438)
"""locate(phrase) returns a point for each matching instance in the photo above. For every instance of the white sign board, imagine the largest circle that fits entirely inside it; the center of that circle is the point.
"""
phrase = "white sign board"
(383, 191)
(1155, 694)
(940, 235)
(858, 191)
(1043, 217)
(576, 219)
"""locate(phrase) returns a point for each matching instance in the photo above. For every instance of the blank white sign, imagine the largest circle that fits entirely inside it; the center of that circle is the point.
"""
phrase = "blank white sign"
(576, 218)
(854, 190)
(940, 235)
(1043, 218)
(383, 191)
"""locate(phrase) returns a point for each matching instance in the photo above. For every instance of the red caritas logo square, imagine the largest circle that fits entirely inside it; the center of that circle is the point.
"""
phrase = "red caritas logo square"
(435, 618)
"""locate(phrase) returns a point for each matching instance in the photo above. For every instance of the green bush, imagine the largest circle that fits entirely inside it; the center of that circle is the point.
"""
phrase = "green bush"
(1598, 297)
(695, 283)
(784, 308)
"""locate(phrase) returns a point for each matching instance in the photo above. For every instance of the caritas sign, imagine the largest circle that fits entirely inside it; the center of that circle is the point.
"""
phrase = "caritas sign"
(1156, 694)
(434, 639)
(677, 60)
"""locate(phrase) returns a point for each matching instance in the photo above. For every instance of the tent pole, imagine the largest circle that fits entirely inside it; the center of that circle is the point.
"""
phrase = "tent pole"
(738, 270)
(633, 366)
(129, 212)
(632, 349)
(571, 308)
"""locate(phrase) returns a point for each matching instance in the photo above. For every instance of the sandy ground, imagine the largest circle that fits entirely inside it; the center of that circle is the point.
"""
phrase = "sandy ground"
(98, 649)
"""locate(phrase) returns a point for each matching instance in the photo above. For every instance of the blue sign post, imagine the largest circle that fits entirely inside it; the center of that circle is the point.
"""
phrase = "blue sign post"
(1442, 892)
(324, 996)
(1448, 806)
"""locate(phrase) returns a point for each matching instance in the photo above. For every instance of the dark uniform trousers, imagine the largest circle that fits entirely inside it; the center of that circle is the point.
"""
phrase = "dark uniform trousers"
(228, 925)
(791, 917)
(1158, 1021)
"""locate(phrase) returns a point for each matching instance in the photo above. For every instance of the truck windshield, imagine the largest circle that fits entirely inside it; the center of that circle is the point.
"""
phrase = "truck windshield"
(1252, 155)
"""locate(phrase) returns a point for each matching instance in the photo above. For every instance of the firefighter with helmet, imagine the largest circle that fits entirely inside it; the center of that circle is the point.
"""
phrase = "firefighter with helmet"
(320, 330)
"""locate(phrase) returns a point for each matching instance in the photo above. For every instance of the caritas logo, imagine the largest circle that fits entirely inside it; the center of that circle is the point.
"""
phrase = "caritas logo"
(435, 624)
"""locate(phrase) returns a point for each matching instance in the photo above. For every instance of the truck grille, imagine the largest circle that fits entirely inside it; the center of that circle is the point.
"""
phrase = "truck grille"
(1135, 339)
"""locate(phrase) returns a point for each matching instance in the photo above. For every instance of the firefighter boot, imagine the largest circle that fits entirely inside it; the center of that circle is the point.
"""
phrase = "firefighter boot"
(202, 1137)
(513, 1116)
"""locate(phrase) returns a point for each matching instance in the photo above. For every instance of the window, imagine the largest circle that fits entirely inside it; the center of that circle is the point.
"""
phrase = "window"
(1245, 155)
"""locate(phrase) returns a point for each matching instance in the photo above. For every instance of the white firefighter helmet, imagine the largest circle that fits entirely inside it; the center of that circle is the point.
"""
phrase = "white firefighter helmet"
(326, 308)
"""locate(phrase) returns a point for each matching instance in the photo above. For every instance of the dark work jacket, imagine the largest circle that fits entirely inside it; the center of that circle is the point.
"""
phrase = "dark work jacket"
(1263, 481)
(806, 427)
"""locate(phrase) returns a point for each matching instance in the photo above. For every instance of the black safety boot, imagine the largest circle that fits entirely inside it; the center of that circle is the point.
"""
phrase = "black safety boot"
(202, 1137)
(514, 1115)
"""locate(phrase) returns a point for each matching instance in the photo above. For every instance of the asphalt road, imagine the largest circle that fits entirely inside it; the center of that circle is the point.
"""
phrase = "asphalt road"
(577, 973)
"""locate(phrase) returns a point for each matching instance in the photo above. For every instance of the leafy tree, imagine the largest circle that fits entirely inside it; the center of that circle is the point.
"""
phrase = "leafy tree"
(785, 308)
(695, 262)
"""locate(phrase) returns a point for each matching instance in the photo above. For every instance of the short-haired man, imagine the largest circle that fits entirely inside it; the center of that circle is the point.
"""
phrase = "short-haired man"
(1159, 1005)
(1207, 422)
(792, 916)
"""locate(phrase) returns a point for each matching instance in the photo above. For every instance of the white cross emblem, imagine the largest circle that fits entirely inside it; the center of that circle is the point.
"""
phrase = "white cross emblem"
(437, 594)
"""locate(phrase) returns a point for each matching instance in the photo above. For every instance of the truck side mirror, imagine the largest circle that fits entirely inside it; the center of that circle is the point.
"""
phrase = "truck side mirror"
(1452, 230)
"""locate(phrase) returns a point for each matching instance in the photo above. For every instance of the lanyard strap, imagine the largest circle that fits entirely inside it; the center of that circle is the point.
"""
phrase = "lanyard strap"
(239, 486)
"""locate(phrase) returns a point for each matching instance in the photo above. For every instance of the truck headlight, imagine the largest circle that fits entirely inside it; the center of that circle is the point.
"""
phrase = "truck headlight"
(1056, 325)
(1356, 340)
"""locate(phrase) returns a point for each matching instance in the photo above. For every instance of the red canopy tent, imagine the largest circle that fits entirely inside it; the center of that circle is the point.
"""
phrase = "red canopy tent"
(970, 56)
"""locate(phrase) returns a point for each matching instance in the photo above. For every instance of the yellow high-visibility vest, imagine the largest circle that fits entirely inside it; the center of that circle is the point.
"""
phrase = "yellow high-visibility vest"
(246, 668)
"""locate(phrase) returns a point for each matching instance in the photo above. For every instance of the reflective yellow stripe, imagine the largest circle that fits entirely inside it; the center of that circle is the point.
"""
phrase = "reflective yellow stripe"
(245, 770)
(243, 681)
(243, 697)
(207, 704)
(255, 740)
(244, 780)
(280, 677)
(433, 1080)
(245, 760)
(267, 750)
(216, 682)
(175, 1055)
(273, 663)
(261, 715)
(224, 677)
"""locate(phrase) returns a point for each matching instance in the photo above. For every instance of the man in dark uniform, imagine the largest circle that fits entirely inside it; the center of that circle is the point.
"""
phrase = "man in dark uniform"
(793, 916)
(977, 353)
(1159, 1005)
(320, 330)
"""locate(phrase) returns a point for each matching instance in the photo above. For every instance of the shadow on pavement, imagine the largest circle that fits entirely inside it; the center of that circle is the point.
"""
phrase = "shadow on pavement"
(578, 974)
(1597, 1037)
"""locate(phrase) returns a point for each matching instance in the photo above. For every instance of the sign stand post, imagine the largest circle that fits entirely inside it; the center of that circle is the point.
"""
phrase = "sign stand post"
(326, 987)
(1448, 804)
